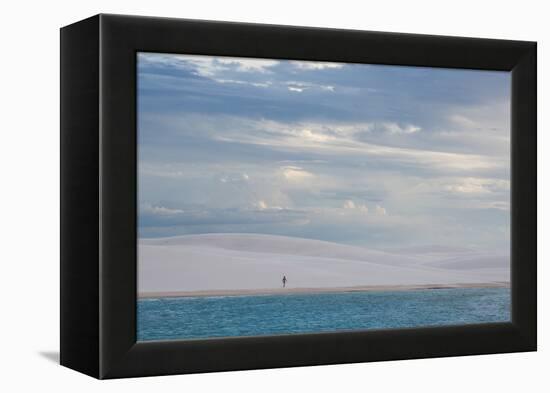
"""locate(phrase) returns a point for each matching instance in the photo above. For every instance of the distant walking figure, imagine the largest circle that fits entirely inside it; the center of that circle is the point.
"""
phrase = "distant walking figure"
(284, 281)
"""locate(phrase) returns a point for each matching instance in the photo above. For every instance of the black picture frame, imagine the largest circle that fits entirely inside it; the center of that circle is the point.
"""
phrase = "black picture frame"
(98, 195)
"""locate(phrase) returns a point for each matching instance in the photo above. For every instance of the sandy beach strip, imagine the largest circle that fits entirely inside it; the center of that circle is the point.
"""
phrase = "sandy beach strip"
(291, 291)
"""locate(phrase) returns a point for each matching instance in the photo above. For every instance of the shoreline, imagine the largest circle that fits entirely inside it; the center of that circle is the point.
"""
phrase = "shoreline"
(292, 291)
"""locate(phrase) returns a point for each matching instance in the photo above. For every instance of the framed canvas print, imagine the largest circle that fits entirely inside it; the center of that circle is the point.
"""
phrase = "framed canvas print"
(239, 196)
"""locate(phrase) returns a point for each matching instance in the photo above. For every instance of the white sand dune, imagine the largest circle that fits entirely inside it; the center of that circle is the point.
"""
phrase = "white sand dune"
(250, 261)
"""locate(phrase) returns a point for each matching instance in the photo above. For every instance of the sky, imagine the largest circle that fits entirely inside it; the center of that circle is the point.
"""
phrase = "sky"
(371, 155)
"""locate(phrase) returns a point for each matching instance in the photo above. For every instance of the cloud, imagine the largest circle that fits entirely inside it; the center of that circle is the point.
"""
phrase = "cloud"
(159, 171)
(315, 65)
(262, 205)
(247, 65)
(207, 66)
(244, 82)
(330, 139)
(302, 86)
(301, 148)
(342, 139)
(351, 205)
(499, 205)
(295, 174)
(160, 210)
(235, 71)
(394, 128)
(463, 121)
(290, 85)
(261, 214)
(472, 185)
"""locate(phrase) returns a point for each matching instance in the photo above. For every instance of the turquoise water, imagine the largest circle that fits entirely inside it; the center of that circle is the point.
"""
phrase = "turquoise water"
(229, 316)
